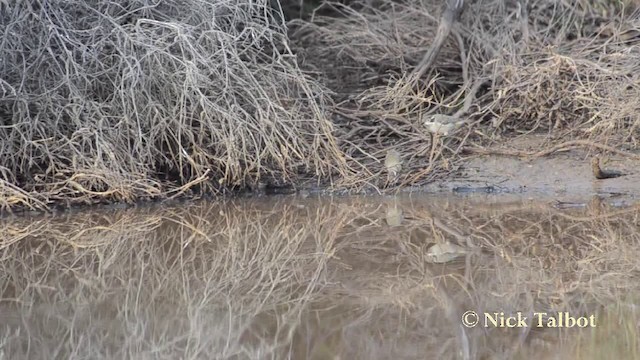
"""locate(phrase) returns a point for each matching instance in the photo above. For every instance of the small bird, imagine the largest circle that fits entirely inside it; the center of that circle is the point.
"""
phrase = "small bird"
(443, 124)
(393, 163)
(600, 174)
(445, 252)
(394, 216)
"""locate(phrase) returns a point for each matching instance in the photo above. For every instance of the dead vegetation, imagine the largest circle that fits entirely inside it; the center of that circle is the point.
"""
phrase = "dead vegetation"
(567, 69)
(104, 102)
(323, 278)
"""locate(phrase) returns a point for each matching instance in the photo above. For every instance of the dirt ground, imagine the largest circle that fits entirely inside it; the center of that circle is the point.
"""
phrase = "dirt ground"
(564, 175)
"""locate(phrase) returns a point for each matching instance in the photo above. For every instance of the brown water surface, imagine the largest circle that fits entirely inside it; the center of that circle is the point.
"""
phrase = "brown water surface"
(325, 278)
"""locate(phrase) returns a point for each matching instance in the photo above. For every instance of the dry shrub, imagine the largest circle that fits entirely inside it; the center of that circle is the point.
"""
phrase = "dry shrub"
(377, 43)
(566, 68)
(585, 87)
(380, 43)
(319, 278)
(102, 101)
(12, 196)
(109, 101)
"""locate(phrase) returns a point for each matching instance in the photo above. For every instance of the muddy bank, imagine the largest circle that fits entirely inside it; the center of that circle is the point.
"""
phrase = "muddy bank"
(563, 177)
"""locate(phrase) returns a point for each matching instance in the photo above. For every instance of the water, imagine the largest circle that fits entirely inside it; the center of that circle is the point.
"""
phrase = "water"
(324, 278)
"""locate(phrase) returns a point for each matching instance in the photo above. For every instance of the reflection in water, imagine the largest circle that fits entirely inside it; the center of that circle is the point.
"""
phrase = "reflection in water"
(321, 278)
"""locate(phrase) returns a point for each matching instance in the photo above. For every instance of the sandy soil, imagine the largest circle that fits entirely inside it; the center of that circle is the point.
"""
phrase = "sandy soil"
(565, 175)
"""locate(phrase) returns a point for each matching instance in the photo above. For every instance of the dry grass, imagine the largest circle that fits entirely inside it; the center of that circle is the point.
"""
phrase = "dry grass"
(565, 68)
(101, 101)
(314, 279)
(581, 88)
(104, 102)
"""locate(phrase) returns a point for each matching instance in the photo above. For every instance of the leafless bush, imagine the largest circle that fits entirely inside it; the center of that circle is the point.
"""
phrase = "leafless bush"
(121, 101)
(107, 102)
(565, 68)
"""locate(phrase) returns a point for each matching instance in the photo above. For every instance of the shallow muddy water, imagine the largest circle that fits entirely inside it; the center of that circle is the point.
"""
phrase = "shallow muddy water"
(380, 277)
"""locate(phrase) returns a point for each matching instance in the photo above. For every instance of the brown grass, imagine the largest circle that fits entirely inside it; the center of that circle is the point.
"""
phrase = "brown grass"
(107, 103)
(564, 68)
